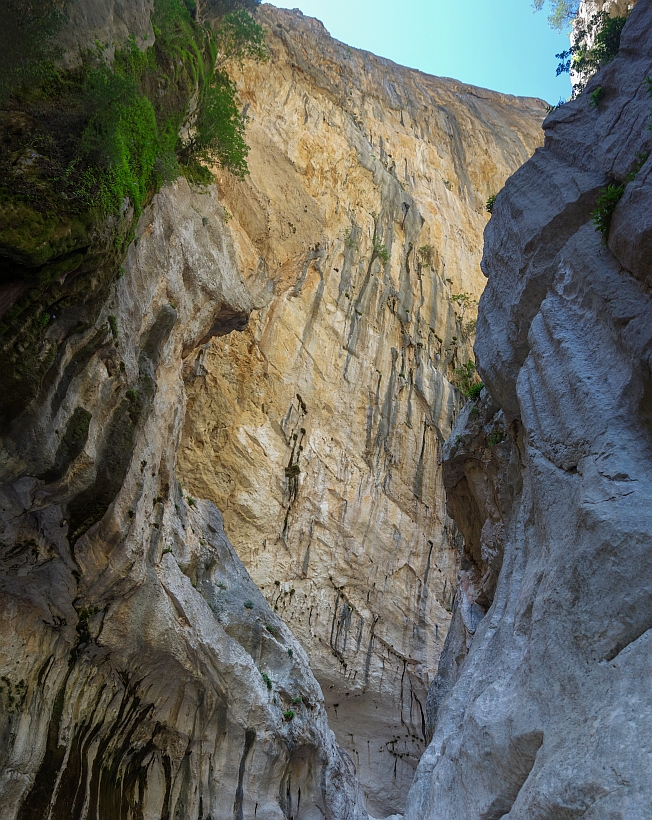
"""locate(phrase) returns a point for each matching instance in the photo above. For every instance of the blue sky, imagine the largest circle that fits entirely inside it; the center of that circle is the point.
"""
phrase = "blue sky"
(498, 44)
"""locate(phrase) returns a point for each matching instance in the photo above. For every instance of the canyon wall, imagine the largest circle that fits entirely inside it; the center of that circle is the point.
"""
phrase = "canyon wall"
(541, 706)
(143, 674)
(318, 431)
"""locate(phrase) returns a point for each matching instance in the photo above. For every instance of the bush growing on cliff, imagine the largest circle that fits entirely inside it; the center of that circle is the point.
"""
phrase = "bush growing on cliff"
(101, 134)
(467, 381)
(583, 60)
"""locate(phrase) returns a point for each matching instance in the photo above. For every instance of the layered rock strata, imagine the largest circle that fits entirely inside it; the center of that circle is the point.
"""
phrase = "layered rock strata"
(549, 714)
(318, 431)
(142, 673)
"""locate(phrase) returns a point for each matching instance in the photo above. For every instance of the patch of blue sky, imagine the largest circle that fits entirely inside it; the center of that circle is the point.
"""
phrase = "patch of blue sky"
(497, 44)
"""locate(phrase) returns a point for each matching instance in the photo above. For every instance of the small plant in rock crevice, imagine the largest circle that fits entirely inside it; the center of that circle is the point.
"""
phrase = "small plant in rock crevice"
(610, 196)
(267, 679)
(596, 97)
(467, 381)
(496, 436)
(490, 203)
(380, 250)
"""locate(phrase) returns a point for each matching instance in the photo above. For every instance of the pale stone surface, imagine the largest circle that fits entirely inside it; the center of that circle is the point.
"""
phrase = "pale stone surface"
(108, 22)
(344, 527)
(133, 641)
(550, 715)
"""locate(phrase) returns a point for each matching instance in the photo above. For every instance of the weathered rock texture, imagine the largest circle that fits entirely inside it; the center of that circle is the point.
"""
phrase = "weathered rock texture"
(549, 715)
(133, 641)
(108, 22)
(318, 431)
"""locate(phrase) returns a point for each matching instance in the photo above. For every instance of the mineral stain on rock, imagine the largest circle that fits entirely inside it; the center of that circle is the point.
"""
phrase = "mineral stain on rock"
(360, 220)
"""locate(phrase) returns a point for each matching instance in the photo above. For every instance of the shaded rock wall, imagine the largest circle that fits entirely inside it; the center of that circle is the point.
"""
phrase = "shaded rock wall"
(549, 714)
(318, 431)
(142, 673)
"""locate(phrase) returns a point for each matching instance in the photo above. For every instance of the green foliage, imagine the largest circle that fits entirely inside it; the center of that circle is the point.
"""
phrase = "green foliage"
(297, 700)
(490, 203)
(248, 604)
(641, 158)
(608, 198)
(474, 391)
(380, 251)
(191, 501)
(349, 237)
(496, 436)
(271, 629)
(466, 380)
(290, 653)
(289, 715)
(562, 12)
(550, 108)
(584, 61)
(267, 679)
(426, 254)
(239, 37)
(103, 135)
(596, 96)
(464, 300)
(219, 8)
(218, 136)
(468, 329)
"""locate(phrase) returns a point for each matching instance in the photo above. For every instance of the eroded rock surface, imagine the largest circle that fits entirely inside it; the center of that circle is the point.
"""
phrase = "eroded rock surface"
(142, 673)
(318, 431)
(549, 716)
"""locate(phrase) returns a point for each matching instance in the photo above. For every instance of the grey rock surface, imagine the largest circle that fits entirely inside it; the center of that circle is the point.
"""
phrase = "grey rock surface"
(550, 713)
(107, 22)
(142, 673)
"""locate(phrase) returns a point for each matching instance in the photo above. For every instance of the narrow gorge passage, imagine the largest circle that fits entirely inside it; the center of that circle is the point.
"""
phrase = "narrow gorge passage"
(268, 548)
(318, 431)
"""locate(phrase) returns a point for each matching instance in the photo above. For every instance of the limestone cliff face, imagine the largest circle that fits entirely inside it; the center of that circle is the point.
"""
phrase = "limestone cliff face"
(142, 673)
(318, 431)
(549, 713)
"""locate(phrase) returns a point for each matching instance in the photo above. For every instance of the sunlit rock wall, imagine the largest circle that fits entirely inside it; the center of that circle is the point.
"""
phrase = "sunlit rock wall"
(142, 673)
(318, 431)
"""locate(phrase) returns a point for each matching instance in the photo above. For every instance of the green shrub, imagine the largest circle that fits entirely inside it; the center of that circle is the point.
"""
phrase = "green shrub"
(271, 629)
(474, 391)
(288, 715)
(239, 37)
(496, 436)
(248, 604)
(466, 380)
(584, 61)
(267, 679)
(490, 203)
(426, 253)
(380, 250)
(608, 198)
(596, 96)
